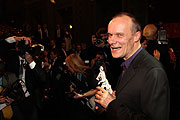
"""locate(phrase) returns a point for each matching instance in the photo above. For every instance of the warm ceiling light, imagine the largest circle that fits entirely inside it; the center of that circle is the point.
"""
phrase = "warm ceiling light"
(70, 26)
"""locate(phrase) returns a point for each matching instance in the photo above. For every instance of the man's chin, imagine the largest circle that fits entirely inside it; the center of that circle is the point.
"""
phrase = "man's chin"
(115, 55)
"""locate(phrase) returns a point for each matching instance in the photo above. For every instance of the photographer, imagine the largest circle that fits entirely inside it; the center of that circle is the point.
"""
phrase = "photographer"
(99, 43)
(32, 78)
(100, 60)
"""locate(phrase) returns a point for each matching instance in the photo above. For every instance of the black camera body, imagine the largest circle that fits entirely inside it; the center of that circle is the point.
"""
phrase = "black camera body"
(99, 40)
(162, 36)
(23, 48)
(99, 62)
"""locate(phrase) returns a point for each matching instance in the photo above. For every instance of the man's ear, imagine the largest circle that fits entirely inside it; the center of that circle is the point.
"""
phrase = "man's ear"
(137, 36)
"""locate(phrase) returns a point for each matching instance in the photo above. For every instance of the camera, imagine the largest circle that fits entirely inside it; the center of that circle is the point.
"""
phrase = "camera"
(162, 39)
(99, 40)
(39, 46)
(23, 48)
(162, 35)
(98, 62)
(34, 50)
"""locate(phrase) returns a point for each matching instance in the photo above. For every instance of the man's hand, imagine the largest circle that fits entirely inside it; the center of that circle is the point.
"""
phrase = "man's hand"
(9, 100)
(2, 99)
(157, 54)
(77, 95)
(103, 97)
(6, 100)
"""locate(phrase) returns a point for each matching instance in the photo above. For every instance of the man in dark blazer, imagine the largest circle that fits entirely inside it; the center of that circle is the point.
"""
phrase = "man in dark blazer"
(32, 80)
(142, 91)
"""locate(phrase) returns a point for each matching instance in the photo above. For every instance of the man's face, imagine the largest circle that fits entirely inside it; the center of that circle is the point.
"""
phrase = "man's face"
(120, 37)
(78, 47)
(52, 55)
(52, 43)
(93, 39)
(103, 36)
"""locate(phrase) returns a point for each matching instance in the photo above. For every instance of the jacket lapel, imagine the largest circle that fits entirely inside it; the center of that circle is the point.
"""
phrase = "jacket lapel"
(130, 72)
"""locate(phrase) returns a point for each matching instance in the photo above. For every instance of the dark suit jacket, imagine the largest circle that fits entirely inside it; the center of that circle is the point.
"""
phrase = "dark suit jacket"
(143, 93)
(8, 79)
(56, 72)
(34, 78)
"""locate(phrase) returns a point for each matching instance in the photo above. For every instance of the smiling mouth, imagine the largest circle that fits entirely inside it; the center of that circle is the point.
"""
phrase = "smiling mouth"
(115, 48)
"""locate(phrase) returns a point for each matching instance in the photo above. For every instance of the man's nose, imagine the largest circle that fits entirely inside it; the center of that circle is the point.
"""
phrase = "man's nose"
(111, 39)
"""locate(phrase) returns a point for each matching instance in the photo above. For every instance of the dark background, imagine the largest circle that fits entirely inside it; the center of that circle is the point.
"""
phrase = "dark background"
(86, 16)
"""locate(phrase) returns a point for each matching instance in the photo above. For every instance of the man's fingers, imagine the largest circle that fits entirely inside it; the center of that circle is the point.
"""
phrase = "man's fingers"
(101, 89)
(98, 96)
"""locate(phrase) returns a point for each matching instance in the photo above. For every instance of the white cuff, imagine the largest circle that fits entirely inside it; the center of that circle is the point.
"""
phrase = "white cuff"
(32, 65)
(11, 39)
(2, 106)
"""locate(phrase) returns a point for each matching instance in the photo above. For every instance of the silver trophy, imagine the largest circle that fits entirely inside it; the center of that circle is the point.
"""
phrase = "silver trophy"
(103, 80)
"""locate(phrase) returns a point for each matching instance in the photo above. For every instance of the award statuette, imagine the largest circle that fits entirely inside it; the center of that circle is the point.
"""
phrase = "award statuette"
(103, 82)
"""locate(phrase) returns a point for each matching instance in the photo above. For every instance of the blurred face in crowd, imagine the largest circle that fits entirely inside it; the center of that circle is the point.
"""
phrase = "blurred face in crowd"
(45, 52)
(93, 39)
(99, 56)
(103, 36)
(63, 45)
(78, 47)
(123, 43)
(58, 26)
(67, 33)
(39, 26)
(52, 43)
(53, 55)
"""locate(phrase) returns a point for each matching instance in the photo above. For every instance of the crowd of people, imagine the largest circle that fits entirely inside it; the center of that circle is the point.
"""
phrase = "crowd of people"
(55, 79)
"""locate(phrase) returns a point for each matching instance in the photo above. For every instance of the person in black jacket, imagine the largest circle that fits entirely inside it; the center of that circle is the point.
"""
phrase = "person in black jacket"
(7, 96)
(31, 77)
(142, 90)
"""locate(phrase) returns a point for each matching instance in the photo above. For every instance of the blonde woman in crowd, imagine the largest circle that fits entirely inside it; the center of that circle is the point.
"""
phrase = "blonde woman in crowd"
(82, 87)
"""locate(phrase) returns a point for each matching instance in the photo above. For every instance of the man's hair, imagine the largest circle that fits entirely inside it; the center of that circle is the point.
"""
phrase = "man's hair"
(55, 51)
(135, 24)
(149, 31)
(101, 31)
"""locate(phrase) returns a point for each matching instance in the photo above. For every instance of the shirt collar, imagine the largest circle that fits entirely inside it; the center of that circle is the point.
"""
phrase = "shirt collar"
(20, 58)
(126, 63)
